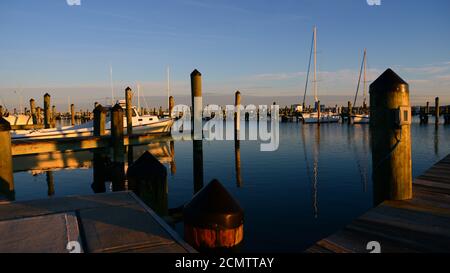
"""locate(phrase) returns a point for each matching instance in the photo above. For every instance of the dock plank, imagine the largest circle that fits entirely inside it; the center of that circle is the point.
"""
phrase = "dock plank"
(421, 224)
(109, 222)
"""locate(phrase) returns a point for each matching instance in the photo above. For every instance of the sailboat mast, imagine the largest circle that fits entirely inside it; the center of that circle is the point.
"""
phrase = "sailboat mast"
(168, 87)
(315, 65)
(365, 78)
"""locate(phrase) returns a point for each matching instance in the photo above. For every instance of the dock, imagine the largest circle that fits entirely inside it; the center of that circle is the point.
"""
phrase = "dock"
(116, 222)
(419, 225)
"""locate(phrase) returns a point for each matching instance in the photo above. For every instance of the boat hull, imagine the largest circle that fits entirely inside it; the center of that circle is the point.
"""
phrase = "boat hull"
(361, 119)
(162, 126)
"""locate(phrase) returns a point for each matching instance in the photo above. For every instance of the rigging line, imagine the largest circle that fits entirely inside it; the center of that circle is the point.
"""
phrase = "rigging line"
(307, 75)
(359, 83)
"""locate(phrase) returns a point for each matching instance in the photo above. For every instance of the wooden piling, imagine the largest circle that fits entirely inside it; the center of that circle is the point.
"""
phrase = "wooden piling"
(171, 106)
(118, 177)
(47, 111)
(437, 111)
(318, 113)
(6, 164)
(1, 111)
(99, 162)
(72, 114)
(350, 112)
(390, 122)
(53, 118)
(197, 103)
(213, 219)
(147, 177)
(237, 117)
(33, 111)
(129, 113)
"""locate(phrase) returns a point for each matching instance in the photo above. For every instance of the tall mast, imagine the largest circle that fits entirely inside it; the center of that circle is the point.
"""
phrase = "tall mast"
(365, 78)
(168, 86)
(315, 65)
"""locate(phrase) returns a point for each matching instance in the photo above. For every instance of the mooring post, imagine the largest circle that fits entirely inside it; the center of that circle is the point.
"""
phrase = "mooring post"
(350, 112)
(197, 103)
(129, 113)
(237, 117)
(1, 111)
(147, 177)
(197, 142)
(47, 111)
(53, 119)
(213, 219)
(72, 113)
(437, 111)
(6, 164)
(118, 177)
(99, 120)
(171, 106)
(99, 162)
(318, 113)
(390, 127)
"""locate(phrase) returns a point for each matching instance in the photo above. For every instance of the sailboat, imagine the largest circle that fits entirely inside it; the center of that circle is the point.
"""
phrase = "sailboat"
(313, 117)
(362, 118)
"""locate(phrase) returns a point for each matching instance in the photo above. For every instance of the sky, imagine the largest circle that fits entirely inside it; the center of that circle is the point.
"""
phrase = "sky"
(258, 47)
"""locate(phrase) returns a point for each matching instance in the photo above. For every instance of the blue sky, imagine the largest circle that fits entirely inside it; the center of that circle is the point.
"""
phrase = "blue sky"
(260, 47)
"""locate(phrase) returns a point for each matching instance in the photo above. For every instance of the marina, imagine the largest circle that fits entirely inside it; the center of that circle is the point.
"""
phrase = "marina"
(216, 130)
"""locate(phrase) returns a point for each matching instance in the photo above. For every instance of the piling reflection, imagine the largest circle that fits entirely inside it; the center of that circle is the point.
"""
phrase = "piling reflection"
(50, 183)
(315, 172)
(197, 146)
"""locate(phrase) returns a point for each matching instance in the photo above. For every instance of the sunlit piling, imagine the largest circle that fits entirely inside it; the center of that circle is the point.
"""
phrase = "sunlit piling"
(349, 112)
(1, 111)
(318, 113)
(447, 116)
(197, 142)
(129, 115)
(147, 177)
(47, 111)
(33, 111)
(390, 122)
(53, 118)
(237, 116)
(213, 219)
(117, 141)
(171, 106)
(6, 165)
(437, 111)
(39, 115)
(72, 114)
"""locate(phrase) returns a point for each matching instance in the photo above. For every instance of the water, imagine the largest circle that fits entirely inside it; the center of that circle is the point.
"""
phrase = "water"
(314, 184)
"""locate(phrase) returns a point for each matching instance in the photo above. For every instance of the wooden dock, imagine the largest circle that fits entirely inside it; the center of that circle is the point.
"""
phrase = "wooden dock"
(418, 225)
(108, 223)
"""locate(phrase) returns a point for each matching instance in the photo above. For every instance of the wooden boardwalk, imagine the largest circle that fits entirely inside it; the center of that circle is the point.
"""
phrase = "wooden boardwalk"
(418, 225)
(110, 222)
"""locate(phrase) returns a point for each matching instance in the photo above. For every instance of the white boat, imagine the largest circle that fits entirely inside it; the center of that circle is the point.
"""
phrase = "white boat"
(141, 124)
(313, 117)
(327, 117)
(360, 119)
(19, 119)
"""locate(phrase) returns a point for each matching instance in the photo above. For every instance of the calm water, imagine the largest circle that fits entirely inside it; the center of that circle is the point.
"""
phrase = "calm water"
(315, 183)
